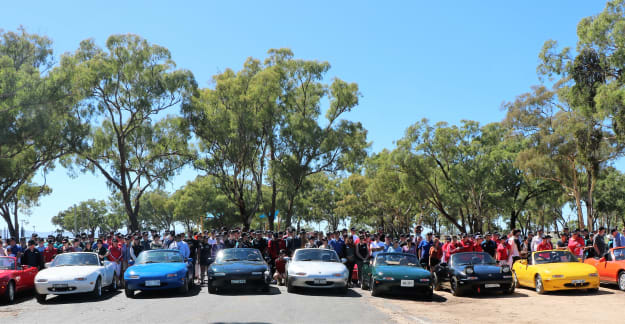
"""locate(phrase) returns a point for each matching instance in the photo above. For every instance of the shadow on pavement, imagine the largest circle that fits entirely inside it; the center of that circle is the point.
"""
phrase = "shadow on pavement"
(81, 298)
(20, 297)
(491, 294)
(167, 293)
(248, 292)
(419, 298)
(327, 292)
(572, 293)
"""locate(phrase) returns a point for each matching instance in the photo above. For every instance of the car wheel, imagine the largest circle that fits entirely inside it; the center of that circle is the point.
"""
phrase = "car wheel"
(429, 293)
(375, 291)
(97, 289)
(211, 288)
(129, 293)
(455, 287)
(437, 282)
(621, 280)
(184, 289)
(289, 286)
(190, 281)
(540, 289)
(364, 285)
(9, 294)
(515, 279)
(510, 290)
(41, 298)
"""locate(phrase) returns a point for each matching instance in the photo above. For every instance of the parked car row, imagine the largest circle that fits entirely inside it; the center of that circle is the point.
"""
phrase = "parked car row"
(245, 268)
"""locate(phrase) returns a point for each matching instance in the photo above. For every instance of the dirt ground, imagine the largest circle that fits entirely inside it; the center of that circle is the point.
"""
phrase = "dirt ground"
(524, 306)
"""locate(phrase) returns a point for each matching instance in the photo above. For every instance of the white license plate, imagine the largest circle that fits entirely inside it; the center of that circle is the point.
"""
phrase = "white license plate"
(578, 281)
(320, 281)
(492, 286)
(152, 283)
(407, 283)
(237, 282)
(59, 286)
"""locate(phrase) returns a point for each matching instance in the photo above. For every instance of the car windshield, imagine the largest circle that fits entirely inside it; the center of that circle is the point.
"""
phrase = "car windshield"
(75, 259)
(316, 255)
(471, 258)
(159, 257)
(7, 264)
(396, 259)
(553, 257)
(619, 254)
(230, 255)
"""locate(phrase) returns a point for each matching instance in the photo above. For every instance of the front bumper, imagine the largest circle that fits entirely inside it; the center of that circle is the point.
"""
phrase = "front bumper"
(394, 286)
(486, 285)
(233, 282)
(165, 283)
(551, 284)
(321, 282)
(59, 287)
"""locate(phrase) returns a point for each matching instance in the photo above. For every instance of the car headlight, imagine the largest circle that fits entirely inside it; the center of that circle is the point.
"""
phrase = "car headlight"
(505, 269)
(171, 275)
(469, 270)
(42, 280)
(133, 277)
(219, 274)
(424, 280)
(80, 279)
(256, 273)
(380, 274)
(472, 278)
(337, 275)
(594, 274)
(388, 278)
(557, 276)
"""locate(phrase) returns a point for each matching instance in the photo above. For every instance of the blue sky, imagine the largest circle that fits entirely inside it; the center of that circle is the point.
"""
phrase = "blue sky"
(442, 60)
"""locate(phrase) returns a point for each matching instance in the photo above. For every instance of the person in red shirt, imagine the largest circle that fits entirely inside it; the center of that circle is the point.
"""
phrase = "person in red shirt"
(465, 245)
(451, 248)
(477, 246)
(503, 252)
(280, 275)
(115, 256)
(49, 252)
(545, 244)
(577, 244)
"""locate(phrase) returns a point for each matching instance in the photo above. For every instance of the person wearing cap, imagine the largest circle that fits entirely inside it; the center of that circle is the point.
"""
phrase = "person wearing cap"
(489, 246)
(545, 244)
(503, 252)
(598, 243)
(424, 248)
(115, 256)
(280, 275)
(49, 253)
(311, 243)
(32, 257)
(477, 245)
(135, 247)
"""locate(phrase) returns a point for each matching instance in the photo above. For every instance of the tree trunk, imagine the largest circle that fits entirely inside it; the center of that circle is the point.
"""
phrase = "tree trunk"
(289, 213)
(132, 216)
(578, 204)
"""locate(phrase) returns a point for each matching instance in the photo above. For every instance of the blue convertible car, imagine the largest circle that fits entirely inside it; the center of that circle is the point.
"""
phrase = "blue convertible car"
(159, 269)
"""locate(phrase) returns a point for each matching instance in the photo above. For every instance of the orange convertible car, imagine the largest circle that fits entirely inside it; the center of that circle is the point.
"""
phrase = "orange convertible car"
(611, 268)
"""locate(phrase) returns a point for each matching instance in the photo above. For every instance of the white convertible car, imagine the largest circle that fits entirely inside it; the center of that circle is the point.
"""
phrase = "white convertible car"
(316, 268)
(72, 273)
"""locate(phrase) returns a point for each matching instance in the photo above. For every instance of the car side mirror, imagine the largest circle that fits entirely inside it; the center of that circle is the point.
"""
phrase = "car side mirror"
(343, 260)
(602, 259)
(47, 264)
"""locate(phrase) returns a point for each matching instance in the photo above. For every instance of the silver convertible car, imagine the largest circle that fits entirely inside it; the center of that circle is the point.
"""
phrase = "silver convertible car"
(316, 268)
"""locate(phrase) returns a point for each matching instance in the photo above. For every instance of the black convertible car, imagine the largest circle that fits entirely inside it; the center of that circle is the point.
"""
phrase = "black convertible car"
(473, 272)
(238, 269)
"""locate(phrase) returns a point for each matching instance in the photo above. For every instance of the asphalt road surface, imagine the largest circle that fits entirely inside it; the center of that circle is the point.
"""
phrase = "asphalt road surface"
(278, 306)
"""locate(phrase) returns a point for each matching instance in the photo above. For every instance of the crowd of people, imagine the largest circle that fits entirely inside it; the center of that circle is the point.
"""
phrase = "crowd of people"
(356, 246)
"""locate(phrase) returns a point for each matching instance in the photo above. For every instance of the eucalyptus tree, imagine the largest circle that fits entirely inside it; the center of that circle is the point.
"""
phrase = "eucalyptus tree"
(129, 88)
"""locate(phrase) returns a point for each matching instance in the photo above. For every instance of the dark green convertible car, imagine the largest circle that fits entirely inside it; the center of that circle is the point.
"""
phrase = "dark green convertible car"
(397, 273)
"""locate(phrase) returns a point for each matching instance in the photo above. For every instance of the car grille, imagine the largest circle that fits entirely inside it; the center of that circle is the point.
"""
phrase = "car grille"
(574, 285)
(61, 289)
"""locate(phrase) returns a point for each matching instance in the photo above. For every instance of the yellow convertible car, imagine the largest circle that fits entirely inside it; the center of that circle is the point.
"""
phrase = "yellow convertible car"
(555, 270)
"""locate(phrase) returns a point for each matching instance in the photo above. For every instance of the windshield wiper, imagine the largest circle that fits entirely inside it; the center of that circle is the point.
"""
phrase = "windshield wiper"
(146, 262)
(228, 260)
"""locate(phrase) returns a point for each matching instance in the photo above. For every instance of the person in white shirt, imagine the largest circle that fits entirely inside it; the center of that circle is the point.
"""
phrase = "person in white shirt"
(514, 249)
(376, 246)
(537, 240)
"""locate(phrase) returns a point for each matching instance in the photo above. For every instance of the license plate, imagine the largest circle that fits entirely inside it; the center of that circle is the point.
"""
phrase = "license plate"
(578, 281)
(320, 281)
(59, 286)
(237, 282)
(152, 283)
(407, 283)
(492, 286)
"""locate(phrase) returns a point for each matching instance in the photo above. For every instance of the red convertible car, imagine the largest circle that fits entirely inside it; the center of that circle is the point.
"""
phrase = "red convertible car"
(15, 278)
(611, 268)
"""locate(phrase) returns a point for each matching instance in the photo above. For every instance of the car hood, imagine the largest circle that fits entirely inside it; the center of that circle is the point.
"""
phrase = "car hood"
(156, 269)
(66, 272)
(401, 271)
(567, 268)
(316, 267)
(244, 266)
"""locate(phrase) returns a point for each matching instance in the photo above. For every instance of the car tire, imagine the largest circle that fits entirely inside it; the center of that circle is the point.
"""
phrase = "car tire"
(97, 288)
(289, 286)
(129, 293)
(437, 282)
(429, 293)
(510, 290)
(41, 298)
(184, 289)
(364, 285)
(455, 287)
(375, 291)
(515, 280)
(9, 293)
(538, 282)
(190, 281)
(621, 280)
(211, 288)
